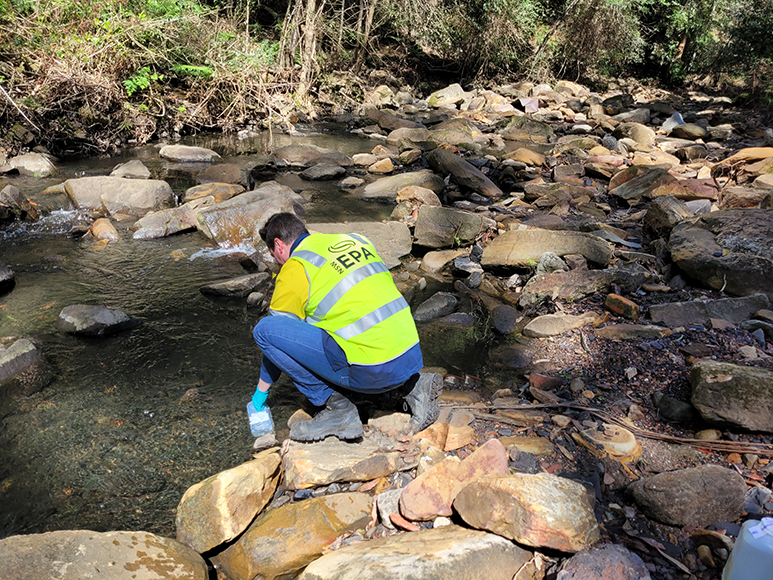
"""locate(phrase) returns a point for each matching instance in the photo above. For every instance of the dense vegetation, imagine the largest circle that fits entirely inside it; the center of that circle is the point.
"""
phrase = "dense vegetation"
(85, 75)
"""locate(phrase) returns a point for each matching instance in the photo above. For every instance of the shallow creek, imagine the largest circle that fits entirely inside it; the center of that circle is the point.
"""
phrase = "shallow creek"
(131, 421)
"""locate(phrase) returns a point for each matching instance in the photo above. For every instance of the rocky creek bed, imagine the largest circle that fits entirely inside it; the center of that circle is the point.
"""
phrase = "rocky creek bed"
(607, 260)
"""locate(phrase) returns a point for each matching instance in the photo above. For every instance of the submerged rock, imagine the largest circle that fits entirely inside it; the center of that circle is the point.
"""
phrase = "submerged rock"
(88, 320)
(238, 287)
(17, 357)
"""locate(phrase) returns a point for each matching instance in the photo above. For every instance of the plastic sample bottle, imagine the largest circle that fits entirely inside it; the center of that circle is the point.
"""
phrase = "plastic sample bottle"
(752, 556)
(261, 421)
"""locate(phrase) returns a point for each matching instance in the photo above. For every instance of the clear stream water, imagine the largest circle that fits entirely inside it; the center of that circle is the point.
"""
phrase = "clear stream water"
(131, 421)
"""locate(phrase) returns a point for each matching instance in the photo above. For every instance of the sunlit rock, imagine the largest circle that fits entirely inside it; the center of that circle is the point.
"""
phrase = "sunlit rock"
(221, 507)
(79, 554)
(447, 553)
(283, 541)
(540, 510)
(188, 154)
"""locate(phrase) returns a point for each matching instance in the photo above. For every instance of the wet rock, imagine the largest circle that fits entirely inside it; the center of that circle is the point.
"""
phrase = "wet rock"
(15, 202)
(31, 165)
(664, 213)
(565, 286)
(555, 324)
(116, 195)
(727, 394)
(322, 171)
(611, 562)
(88, 320)
(462, 172)
(230, 173)
(306, 155)
(392, 239)
(313, 464)
(79, 554)
(170, 221)
(433, 492)
(386, 188)
(238, 287)
(525, 247)
(440, 227)
(695, 497)
(282, 541)
(438, 305)
(103, 229)
(216, 190)
(446, 553)
(7, 279)
(18, 356)
(188, 154)
(134, 169)
(540, 510)
(221, 507)
(734, 310)
(237, 221)
(728, 250)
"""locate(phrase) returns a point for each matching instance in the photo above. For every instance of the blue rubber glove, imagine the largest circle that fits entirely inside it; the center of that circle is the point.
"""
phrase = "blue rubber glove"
(259, 399)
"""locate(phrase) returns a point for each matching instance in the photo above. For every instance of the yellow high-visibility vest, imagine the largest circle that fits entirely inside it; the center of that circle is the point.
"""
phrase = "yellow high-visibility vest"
(353, 297)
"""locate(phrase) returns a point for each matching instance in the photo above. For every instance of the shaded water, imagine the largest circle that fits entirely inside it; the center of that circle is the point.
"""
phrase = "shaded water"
(130, 422)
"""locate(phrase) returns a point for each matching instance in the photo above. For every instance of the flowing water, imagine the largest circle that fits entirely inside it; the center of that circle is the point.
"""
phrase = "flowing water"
(129, 422)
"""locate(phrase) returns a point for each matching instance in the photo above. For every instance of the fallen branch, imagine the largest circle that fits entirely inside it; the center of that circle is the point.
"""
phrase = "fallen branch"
(720, 446)
(10, 100)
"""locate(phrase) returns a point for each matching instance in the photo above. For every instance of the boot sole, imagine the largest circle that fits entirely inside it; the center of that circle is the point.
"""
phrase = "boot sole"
(346, 435)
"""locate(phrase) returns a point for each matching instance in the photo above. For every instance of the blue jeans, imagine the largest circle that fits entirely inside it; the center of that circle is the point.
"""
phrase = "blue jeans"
(297, 348)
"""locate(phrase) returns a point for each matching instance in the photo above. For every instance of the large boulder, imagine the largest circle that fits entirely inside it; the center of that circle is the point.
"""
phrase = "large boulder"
(79, 554)
(696, 497)
(523, 248)
(188, 154)
(565, 286)
(238, 220)
(221, 507)
(732, 395)
(392, 239)
(117, 195)
(159, 224)
(31, 165)
(305, 155)
(313, 464)
(282, 541)
(542, 510)
(730, 250)
(448, 553)
(386, 188)
(450, 97)
(443, 227)
(462, 172)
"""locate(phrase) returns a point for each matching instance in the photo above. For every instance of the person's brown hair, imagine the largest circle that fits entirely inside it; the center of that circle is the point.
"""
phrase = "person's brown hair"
(285, 226)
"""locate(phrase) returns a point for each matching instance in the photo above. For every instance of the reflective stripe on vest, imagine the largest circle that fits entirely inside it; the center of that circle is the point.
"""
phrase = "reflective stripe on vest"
(343, 287)
(311, 257)
(372, 319)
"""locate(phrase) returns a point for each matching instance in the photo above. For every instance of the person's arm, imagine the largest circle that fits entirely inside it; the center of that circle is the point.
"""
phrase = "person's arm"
(291, 293)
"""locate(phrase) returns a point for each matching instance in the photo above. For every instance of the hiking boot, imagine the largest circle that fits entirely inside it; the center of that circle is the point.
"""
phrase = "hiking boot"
(338, 418)
(421, 399)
